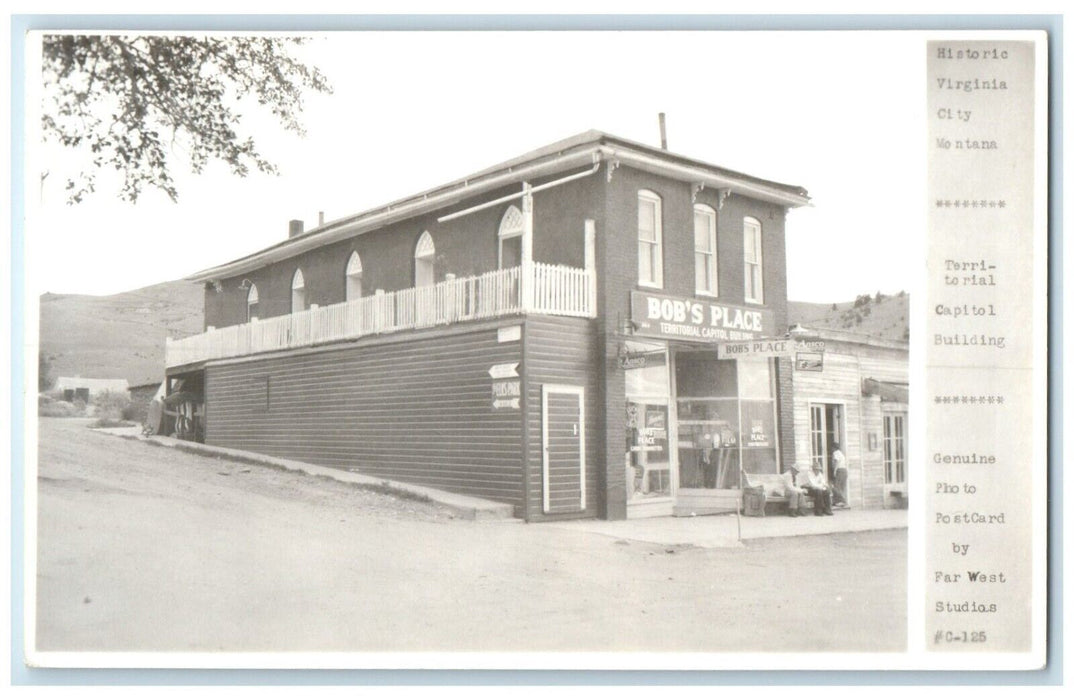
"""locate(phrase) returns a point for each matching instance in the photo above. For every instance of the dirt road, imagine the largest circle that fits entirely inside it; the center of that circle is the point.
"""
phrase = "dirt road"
(146, 548)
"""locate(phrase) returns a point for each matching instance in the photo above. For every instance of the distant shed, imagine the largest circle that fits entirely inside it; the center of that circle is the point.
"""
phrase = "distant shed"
(85, 388)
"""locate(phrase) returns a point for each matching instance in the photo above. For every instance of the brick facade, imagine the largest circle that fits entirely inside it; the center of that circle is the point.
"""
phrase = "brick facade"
(617, 254)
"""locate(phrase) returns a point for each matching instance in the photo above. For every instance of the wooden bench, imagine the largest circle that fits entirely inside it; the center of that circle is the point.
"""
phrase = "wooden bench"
(758, 490)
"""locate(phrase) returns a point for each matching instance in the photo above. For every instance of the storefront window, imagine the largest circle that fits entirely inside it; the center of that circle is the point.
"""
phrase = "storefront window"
(754, 379)
(758, 437)
(648, 465)
(701, 375)
(726, 420)
(757, 390)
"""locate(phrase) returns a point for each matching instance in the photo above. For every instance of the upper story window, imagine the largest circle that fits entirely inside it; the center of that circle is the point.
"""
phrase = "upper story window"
(705, 280)
(425, 261)
(510, 238)
(354, 277)
(251, 303)
(753, 265)
(298, 292)
(650, 240)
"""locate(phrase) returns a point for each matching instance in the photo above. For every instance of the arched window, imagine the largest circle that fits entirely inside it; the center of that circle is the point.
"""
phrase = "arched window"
(251, 303)
(510, 238)
(753, 266)
(705, 250)
(650, 240)
(354, 277)
(425, 261)
(298, 292)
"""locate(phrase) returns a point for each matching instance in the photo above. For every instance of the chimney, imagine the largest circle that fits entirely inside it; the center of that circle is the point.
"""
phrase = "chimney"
(294, 228)
(663, 133)
(320, 218)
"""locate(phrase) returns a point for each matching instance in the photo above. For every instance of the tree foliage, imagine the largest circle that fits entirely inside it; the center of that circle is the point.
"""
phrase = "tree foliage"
(131, 102)
(44, 372)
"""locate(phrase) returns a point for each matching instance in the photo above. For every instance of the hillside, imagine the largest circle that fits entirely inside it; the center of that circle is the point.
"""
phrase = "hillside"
(118, 336)
(886, 317)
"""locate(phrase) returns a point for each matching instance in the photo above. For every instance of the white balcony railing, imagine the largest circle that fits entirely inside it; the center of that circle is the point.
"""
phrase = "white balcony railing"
(557, 290)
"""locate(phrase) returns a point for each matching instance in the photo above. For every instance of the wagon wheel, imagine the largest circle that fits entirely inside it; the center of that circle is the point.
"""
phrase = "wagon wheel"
(184, 420)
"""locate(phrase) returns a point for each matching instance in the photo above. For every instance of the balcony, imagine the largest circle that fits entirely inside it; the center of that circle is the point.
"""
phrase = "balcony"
(555, 290)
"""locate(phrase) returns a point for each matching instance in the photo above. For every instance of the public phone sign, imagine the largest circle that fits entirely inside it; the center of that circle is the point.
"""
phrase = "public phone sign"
(684, 318)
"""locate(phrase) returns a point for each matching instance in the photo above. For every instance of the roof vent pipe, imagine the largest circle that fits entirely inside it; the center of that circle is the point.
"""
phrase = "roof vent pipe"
(320, 218)
(295, 227)
(663, 133)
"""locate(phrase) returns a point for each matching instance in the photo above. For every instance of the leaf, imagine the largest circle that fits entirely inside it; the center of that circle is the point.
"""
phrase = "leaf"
(129, 101)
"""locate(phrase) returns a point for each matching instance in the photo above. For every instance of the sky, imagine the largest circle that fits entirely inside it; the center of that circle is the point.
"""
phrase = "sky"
(841, 114)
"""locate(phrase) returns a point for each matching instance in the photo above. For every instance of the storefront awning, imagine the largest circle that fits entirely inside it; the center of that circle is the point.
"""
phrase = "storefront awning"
(887, 391)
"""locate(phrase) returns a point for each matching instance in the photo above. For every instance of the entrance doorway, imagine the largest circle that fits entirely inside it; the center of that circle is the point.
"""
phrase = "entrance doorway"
(563, 438)
(725, 422)
(826, 431)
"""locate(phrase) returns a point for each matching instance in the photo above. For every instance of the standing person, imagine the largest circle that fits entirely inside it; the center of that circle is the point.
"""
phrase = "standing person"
(817, 485)
(839, 485)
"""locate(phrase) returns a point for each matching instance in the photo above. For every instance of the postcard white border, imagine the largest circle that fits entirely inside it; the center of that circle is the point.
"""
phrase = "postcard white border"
(915, 658)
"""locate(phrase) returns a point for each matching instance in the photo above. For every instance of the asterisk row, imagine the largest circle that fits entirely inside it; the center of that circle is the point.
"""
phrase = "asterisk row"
(971, 203)
(967, 399)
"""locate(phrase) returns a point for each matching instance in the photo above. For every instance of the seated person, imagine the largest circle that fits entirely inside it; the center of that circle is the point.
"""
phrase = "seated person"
(814, 482)
(793, 493)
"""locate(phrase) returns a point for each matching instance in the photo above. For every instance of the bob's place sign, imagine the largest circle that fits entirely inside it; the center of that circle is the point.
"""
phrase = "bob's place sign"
(682, 318)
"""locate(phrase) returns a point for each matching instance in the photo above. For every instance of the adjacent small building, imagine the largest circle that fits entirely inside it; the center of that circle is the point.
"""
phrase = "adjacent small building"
(543, 333)
(854, 395)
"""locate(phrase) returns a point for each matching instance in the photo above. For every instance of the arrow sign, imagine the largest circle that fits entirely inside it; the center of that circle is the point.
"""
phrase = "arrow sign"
(506, 403)
(506, 369)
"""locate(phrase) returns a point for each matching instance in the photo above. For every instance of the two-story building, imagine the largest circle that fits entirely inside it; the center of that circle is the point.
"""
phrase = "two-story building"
(539, 333)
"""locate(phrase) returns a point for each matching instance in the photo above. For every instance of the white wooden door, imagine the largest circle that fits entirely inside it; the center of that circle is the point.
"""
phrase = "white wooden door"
(563, 446)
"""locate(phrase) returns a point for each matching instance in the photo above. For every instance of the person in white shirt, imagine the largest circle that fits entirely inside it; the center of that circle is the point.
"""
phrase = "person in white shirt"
(839, 479)
(793, 493)
(816, 485)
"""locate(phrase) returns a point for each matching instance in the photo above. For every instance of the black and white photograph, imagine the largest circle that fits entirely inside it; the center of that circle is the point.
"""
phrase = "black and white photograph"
(508, 349)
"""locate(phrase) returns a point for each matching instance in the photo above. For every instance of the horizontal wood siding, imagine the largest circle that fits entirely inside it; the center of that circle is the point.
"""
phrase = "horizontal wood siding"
(564, 351)
(419, 410)
(872, 421)
(885, 365)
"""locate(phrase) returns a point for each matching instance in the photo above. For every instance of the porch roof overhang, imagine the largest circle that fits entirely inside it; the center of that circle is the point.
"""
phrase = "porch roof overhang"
(889, 392)
(587, 149)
